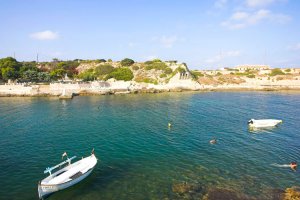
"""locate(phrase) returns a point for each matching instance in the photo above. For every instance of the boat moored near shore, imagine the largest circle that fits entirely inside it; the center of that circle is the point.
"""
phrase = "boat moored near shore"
(67, 176)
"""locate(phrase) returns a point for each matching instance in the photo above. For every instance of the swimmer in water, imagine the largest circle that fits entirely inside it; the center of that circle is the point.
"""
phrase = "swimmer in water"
(293, 166)
(213, 141)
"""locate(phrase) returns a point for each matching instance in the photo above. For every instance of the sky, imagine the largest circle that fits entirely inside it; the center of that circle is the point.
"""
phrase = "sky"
(206, 34)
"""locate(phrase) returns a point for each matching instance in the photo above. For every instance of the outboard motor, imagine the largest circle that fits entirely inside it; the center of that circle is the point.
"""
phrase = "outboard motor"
(250, 121)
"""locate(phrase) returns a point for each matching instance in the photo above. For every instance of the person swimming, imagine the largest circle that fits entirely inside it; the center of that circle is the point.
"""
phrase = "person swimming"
(213, 141)
(293, 165)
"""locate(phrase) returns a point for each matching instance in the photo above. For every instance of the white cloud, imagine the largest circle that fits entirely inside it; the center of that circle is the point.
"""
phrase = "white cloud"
(220, 3)
(240, 20)
(259, 3)
(223, 56)
(45, 35)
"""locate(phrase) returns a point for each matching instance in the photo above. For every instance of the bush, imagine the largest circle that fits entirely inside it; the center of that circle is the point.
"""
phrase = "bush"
(100, 61)
(287, 70)
(219, 74)
(146, 80)
(251, 76)
(168, 70)
(124, 74)
(276, 72)
(127, 62)
(103, 69)
(156, 66)
(196, 74)
(87, 75)
(156, 60)
(135, 67)
(163, 75)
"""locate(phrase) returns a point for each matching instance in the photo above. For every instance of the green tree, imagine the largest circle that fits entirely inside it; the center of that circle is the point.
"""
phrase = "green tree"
(57, 74)
(43, 77)
(127, 62)
(10, 62)
(8, 73)
(87, 75)
(121, 74)
(29, 76)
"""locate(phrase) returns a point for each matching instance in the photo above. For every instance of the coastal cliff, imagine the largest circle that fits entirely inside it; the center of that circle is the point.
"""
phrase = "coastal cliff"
(127, 76)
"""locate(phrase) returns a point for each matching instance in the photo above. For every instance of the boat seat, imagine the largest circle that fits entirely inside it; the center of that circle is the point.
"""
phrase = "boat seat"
(78, 174)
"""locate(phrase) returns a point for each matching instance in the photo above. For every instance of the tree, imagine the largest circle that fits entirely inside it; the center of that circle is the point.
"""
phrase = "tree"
(30, 76)
(57, 74)
(124, 74)
(87, 75)
(127, 62)
(43, 77)
(8, 73)
(9, 62)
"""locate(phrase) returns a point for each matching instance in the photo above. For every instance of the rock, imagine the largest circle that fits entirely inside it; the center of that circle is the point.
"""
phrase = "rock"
(224, 194)
(189, 191)
(292, 193)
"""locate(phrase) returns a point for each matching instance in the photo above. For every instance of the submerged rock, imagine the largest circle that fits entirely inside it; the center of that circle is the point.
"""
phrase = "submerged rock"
(225, 194)
(292, 193)
(188, 191)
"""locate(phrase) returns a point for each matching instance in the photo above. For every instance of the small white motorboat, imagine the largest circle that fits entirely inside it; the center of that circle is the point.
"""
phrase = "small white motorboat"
(263, 123)
(67, 176)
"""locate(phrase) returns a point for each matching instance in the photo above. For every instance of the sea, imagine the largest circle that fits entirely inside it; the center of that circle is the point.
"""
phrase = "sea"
(140, 157)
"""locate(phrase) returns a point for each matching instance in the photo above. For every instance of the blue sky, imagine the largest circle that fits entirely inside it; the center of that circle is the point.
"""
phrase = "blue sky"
(206, 34)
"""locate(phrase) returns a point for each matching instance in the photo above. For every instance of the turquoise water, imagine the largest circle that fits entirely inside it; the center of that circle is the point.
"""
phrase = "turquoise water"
(139, 157)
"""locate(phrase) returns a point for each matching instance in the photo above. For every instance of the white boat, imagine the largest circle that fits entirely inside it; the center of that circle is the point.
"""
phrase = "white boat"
(67, 176)
(262, 123)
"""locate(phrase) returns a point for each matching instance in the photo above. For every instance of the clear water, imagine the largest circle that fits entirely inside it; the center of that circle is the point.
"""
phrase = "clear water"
(139, 157)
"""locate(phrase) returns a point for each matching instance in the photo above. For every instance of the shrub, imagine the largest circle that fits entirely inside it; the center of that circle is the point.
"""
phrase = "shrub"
(251, 76)
(276, 72)
(146, 80)
(156, 66)
(156, 60)
(163, 75)
(100, 60)
(287, 70)
(124, 74)
(168, 70)
(87, 75)
(196, 74)
(109, 60)
(135, 67)
(103, 69)
(127, 62)
(219, 74)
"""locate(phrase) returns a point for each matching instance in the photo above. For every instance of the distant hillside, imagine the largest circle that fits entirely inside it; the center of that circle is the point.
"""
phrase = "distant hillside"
(154, 71)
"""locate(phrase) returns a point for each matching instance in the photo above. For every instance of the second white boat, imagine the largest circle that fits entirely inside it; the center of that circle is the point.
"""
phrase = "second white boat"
(263, 123)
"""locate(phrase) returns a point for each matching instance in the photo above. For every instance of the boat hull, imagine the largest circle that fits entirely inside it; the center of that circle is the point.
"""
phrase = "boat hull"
(46, 190)
(264, 123)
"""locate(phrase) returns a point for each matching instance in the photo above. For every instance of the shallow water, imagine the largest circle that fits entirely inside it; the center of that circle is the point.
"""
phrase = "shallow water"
(139, 157)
